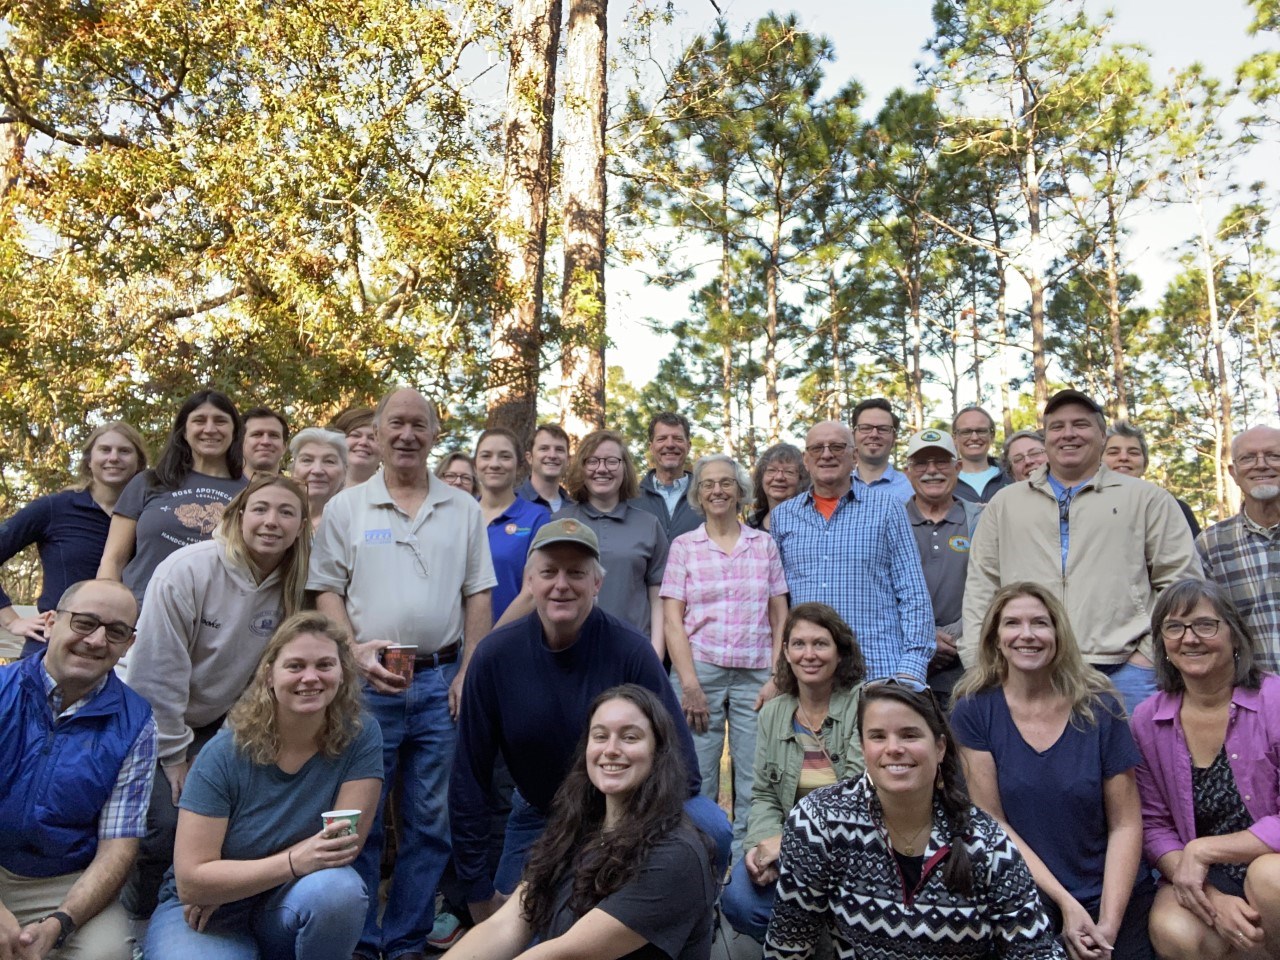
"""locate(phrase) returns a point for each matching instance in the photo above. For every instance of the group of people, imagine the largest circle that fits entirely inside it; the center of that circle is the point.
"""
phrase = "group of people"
(539, 656)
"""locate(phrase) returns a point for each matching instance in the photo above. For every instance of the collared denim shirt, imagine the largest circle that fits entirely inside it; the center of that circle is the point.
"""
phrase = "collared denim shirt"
(1164, 776)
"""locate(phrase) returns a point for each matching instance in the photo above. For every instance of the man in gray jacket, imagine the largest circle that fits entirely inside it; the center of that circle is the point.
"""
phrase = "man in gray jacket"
(1104, 543)
(664, 490)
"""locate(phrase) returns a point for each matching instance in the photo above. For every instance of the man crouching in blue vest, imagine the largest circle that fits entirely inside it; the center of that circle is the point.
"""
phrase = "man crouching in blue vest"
(77, 755)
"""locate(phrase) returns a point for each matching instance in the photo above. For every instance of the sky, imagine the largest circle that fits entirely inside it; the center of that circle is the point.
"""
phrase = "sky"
(878, 43)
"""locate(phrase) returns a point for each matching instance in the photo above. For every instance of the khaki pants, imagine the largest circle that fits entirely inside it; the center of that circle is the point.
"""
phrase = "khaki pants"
(105, 937)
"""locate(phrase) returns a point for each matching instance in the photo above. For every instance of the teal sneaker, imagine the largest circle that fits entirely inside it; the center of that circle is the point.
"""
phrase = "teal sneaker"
(445, 932)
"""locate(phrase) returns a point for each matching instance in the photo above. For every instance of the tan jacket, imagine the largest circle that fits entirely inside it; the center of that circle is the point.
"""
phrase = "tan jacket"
(1128, 541)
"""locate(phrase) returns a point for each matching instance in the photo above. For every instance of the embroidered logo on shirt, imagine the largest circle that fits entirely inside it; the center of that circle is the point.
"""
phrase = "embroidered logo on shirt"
(378, 536)
(960, 544)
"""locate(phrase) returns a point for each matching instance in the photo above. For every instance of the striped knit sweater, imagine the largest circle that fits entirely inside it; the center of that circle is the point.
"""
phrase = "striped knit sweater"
(838, 872)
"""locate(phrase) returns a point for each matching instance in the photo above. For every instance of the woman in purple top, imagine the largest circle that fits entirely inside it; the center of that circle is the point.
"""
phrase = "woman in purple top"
(1210, 781)
(70, 527)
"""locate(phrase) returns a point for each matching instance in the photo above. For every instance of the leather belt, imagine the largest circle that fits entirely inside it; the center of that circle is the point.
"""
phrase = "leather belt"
(442, 656)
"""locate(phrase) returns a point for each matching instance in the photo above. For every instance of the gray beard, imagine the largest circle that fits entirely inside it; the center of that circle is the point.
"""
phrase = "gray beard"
(1265, 491)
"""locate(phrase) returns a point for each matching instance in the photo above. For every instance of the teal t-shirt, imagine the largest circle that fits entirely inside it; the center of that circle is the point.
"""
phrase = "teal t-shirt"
(266, 808)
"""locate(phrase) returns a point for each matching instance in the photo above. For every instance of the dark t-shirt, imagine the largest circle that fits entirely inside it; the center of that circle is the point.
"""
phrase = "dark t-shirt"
(169, 519)
(668, 901)
(1054, 799)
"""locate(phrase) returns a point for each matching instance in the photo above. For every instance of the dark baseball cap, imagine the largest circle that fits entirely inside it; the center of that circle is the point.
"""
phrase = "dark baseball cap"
(566, 530)
(1063, 397)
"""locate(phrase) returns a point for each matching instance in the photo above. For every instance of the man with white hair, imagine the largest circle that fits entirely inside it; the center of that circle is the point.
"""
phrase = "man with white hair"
(1242, 553)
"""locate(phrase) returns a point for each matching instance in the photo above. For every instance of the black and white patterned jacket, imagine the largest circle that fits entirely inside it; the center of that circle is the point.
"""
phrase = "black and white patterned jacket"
(838, 872)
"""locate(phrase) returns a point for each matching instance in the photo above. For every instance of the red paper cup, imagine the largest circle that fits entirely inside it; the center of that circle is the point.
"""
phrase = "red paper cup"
(398, 658)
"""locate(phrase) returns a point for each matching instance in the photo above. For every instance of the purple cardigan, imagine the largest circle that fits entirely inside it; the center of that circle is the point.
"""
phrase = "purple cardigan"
(1164, 776)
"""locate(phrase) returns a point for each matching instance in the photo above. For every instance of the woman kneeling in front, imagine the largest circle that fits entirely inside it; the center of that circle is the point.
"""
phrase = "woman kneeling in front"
(255, 873)
(899, 864)
(619, 872)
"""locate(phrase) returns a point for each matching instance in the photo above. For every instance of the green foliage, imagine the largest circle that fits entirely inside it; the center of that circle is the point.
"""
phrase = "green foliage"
(290, 202)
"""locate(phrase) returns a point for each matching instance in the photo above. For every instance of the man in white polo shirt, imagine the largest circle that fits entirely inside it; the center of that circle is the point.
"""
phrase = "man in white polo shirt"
(404, 559)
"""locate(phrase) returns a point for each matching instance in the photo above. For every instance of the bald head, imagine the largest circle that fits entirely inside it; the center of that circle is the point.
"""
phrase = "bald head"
(1255, 466)
(407, 428)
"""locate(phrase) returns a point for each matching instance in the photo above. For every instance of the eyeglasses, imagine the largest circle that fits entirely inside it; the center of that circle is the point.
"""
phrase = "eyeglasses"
(610, 463)
(906, 683)
(1253, 459)
(787, 473)
(1206, 628)
(974, 432)
(924, 465)
(726, 484)
(456, 479)
(1018, 458)
(867, 428)
(1064, 507)
(83, 624)
(818, 449)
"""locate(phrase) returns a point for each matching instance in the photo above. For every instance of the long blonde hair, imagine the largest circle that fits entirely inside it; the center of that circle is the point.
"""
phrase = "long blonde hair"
(1070, 676)
(253, 721)
(293, 568)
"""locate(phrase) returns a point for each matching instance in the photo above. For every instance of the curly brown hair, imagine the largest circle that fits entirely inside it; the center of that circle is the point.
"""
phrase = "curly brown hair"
(253, 721)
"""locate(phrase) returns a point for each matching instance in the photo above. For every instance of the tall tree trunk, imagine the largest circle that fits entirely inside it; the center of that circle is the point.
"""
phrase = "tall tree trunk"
(1111, 252)
(516, 340)
(1035, 279)
(1222, 415)
(915, 382)
(771, 332)
(836, 403)
(13, 145)
(726, 345)
(582, 308)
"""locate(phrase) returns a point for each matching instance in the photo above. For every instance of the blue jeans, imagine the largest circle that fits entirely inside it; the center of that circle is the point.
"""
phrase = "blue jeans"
(1134, 683)
(745, 905)
(731, 696)
(315, 918)
(417, 741)
(526, 824)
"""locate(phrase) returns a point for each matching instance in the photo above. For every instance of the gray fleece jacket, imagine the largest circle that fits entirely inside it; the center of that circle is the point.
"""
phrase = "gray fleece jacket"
(204, 625)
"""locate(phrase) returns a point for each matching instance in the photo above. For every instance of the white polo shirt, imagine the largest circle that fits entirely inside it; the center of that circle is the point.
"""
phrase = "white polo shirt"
(403, 577)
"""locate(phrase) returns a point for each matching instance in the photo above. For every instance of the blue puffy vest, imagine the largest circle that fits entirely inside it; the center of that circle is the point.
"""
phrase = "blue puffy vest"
(55, 777)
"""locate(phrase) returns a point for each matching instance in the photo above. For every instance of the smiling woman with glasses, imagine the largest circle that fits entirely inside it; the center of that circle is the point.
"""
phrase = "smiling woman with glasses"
(724, 599)
(1210, 780)
(778, 475)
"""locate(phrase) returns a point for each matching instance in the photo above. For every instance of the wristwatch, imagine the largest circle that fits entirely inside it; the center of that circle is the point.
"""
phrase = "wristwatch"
(65, 922)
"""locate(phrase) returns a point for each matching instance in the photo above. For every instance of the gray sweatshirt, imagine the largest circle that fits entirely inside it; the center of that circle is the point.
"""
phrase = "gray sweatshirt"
(204, 625)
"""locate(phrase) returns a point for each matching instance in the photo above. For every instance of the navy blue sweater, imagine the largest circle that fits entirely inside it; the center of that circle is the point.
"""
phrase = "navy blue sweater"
(532, 703)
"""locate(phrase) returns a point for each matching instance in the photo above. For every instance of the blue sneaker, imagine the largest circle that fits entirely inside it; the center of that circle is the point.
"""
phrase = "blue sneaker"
(445, 932)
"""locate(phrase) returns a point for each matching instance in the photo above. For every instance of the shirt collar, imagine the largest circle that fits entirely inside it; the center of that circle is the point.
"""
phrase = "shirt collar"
(955, 513)
(53, 694)
(1254, 526)
(1169, 704)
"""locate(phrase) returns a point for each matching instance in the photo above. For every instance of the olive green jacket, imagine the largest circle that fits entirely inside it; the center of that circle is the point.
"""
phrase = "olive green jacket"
(779, 756)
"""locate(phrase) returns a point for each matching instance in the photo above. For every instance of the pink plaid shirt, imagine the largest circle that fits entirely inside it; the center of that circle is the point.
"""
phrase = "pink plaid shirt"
(726, 596)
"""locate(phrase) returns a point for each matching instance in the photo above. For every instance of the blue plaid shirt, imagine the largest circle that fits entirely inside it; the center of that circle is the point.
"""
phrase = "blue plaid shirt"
(125, 812)
(863, 562)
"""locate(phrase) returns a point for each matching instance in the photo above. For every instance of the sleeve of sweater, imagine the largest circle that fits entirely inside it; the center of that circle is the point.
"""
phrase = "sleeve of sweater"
(472, 777)
(24, 528)
(159, 665)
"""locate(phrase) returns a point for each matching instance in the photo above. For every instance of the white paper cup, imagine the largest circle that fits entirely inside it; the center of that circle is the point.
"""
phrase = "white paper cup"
(349, 817)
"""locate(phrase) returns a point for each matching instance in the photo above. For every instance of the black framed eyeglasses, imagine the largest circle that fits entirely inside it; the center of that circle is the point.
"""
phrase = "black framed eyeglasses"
(83, 624)
(1206, 628)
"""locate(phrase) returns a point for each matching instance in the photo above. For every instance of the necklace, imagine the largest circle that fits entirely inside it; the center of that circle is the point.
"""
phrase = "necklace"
(908, 847)
(814, 728)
